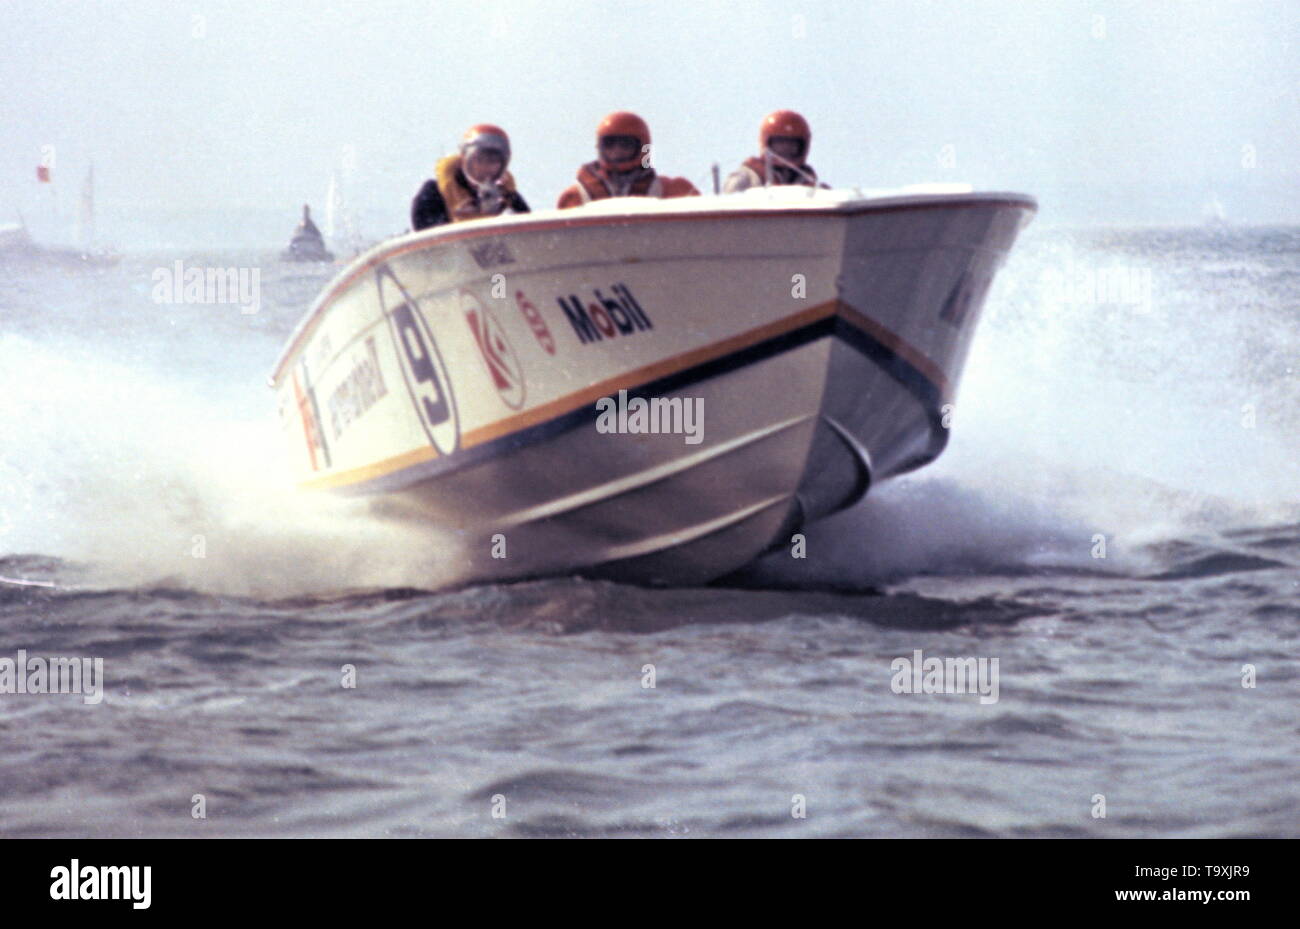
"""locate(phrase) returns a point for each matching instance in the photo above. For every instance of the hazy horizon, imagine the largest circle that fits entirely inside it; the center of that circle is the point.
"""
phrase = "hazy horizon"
(1108, 112)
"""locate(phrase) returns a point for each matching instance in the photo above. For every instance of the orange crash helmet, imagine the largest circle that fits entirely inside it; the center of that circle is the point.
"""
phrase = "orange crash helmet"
(621, 140)
(786, 124)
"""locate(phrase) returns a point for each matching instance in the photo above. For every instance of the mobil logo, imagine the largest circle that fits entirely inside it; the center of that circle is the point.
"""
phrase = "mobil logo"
(602, 317)
(497, 353)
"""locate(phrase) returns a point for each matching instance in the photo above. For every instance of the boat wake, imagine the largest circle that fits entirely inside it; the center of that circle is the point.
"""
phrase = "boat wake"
(1130, 462)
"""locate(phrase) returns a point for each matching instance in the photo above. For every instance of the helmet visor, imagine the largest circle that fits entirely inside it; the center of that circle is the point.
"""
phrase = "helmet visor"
(484, 164)
(620, 148)
(790, 147)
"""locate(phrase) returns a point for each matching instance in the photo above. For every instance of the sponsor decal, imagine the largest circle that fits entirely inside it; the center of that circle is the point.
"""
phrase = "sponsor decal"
(358, 391)
(491, 253)
(603, 317)
(535, 322)
(307, 410)
(502, 362)
(422, 366)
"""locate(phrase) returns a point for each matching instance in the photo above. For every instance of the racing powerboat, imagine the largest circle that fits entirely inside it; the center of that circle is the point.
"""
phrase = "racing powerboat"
(656, 391)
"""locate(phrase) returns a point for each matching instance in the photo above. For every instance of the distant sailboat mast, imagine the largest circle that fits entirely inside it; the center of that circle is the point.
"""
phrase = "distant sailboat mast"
(1213, 213)
(341, 227)
(333, 206)
(85, 231)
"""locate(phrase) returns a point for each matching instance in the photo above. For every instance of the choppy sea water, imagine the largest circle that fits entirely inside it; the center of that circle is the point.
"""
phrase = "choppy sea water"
(1116, 521)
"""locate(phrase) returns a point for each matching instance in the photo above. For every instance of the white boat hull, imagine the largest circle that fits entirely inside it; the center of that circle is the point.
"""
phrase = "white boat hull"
(455, 374)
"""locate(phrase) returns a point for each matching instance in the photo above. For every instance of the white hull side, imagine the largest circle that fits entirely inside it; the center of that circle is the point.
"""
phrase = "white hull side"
(454, 374)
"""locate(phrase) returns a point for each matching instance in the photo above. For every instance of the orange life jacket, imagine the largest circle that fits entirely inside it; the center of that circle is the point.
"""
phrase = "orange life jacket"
(758, 165)
(593, 184)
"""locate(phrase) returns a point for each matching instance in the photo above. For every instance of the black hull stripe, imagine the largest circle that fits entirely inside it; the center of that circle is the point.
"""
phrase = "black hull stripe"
(902, 371)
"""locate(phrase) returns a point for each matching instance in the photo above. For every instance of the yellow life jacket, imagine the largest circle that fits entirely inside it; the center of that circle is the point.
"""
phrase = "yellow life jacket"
(462, 203)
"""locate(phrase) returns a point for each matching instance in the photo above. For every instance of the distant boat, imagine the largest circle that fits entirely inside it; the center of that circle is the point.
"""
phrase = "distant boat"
(14, 238)
(17, 245)
(16, 241)
(307, 243)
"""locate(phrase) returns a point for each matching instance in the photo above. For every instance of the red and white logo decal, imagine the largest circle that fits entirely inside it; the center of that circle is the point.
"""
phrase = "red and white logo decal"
(536, 323)
(310, 427)
(502, 362)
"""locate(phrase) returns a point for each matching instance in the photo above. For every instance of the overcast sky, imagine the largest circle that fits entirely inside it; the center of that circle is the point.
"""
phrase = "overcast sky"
(1108, 111)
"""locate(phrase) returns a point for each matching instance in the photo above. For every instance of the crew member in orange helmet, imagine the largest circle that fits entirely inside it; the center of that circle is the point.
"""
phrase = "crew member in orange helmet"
(622, 168)
(471, 184)
(783, 142)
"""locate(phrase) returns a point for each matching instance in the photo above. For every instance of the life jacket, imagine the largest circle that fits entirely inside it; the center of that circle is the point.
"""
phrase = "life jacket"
(595, 184)
(460, 196)
(758, 167)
